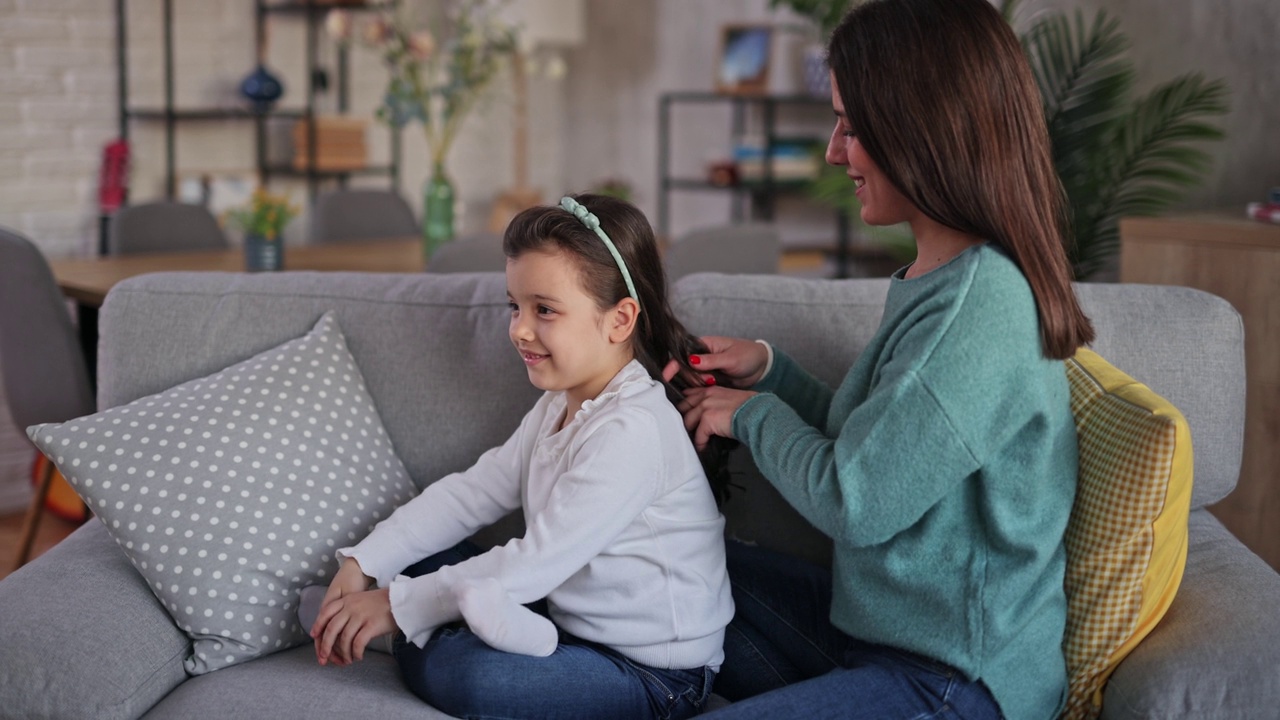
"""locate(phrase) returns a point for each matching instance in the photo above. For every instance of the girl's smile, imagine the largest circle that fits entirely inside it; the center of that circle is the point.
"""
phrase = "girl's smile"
(564, 339)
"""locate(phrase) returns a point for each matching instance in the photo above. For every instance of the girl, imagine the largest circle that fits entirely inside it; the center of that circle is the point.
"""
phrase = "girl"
(624, 540)
(943, 467)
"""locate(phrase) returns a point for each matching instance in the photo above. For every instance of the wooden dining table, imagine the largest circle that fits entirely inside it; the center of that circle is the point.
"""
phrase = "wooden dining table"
(86, 281)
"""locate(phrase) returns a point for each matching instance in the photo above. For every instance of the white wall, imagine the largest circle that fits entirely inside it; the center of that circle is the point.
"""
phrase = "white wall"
(58, 107)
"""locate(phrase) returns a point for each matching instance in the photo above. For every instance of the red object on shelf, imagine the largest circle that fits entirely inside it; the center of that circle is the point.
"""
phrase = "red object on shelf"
(113, 185)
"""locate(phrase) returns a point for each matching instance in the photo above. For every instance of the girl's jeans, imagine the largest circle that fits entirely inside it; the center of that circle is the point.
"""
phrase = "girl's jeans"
(784, 658)
(458, 674)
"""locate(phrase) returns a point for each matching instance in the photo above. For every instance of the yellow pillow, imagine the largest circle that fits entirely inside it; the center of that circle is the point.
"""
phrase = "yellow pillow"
(1127, 537)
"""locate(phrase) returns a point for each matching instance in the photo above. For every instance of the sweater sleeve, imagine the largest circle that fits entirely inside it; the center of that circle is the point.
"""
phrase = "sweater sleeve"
(446, 512)
(617, 473)
(895, 456)
(808, 396)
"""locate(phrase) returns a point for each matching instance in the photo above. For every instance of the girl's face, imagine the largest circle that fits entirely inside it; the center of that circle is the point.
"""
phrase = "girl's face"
(882, 204)
(567, 343)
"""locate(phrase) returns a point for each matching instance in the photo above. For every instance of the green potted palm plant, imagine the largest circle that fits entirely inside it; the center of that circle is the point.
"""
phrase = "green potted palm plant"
(1118, 154)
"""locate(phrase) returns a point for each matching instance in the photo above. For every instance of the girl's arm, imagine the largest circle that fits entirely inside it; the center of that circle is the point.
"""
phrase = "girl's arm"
(619, 470)
(446, 512)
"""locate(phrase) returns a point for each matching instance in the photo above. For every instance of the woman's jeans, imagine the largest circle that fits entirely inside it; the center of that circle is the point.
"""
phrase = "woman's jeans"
(784, 658)
(459, 674)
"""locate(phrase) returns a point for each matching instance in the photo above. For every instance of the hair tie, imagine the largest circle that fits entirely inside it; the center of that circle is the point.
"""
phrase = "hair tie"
(592, 222)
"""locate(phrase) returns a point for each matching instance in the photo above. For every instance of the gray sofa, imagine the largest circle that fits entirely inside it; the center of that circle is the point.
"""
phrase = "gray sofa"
(81, 635)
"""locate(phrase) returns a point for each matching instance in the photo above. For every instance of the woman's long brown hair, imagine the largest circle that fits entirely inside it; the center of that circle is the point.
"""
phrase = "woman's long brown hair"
(940, 95)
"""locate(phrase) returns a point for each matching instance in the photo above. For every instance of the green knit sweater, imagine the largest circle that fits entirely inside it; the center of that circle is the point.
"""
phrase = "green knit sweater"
(943, 469)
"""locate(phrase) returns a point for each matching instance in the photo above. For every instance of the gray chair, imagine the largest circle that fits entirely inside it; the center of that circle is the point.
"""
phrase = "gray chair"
(163, 226)
(736, 249)
(43, 367)
(481, 252)
(359, 214)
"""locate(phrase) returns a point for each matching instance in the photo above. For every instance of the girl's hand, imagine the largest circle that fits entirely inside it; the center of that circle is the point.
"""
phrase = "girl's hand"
(350, 622)
(709, 411)
(743, 361)
(349, 580)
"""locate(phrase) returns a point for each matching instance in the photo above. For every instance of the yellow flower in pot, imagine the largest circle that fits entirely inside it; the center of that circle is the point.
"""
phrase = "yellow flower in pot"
(263, 222)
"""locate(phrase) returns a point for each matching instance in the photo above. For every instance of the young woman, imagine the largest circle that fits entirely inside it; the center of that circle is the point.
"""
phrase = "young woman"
(624, 541)
(943, 467)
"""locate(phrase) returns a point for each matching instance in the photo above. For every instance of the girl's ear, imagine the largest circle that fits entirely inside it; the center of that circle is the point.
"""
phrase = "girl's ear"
(622, 320)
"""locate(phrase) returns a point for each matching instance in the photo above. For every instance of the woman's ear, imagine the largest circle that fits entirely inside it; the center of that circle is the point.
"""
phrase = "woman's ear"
(622, 320)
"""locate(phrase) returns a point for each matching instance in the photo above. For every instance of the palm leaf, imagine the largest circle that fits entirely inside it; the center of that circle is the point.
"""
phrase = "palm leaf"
(1156, 159)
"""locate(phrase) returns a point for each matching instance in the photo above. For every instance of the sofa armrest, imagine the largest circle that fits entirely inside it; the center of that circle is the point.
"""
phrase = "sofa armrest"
(1216, 654)
(82, 636)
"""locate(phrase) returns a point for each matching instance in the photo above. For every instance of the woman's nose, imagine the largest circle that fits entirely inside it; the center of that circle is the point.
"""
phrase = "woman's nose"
(836, 149)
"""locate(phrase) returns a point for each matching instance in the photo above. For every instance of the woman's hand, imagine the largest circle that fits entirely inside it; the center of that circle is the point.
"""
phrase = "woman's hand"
(709, 411)
(742, 361)
(349, 623)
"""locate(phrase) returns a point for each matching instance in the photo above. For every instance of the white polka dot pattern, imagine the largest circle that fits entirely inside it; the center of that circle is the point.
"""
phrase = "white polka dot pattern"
(231, 492)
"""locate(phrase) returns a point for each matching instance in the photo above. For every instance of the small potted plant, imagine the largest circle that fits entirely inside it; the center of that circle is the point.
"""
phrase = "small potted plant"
(263, 222)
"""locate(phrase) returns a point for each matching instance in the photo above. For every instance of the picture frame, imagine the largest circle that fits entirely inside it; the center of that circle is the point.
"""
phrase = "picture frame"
(745, 54)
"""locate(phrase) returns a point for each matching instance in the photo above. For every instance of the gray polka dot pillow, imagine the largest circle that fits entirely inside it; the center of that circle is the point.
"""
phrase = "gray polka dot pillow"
(231, 492)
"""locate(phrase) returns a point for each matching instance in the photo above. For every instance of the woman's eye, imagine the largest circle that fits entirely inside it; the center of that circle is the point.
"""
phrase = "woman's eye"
(848, 133)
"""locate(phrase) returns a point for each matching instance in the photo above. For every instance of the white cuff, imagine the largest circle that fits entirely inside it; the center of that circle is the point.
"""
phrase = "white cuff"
(768, 363)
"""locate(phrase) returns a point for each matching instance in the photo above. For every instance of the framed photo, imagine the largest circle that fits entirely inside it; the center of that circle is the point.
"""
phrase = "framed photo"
(744, 59)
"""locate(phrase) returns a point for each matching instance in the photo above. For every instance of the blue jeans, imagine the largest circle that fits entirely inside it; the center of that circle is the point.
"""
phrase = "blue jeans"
(784, 658)
(456, 672)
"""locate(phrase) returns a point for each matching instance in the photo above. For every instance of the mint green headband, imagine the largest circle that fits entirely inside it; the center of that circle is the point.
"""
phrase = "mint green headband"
(593, 223)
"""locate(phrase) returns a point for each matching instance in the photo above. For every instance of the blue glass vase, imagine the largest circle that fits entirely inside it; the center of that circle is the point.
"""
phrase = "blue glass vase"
(263, 254)
(262, 89)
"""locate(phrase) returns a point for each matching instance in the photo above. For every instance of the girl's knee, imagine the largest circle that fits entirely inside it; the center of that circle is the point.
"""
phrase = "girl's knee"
(453, 673)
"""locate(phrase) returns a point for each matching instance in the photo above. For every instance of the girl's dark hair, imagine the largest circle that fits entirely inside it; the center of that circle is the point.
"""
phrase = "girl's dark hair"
(940, 95)
(659, 336)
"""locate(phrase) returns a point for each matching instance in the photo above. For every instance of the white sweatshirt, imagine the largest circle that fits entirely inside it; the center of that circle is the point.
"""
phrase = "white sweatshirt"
(623, 536)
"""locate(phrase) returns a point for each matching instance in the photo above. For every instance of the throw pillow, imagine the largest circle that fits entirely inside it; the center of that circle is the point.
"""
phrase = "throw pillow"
(231, 492)
(1127, 537)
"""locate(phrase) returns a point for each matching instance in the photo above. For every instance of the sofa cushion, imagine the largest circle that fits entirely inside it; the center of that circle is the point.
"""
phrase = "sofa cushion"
(1127, 537)
(230, 492)
(82, 637)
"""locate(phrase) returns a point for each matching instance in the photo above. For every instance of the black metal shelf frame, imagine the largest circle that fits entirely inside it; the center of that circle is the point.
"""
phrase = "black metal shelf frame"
(763, 192)
(314, 12)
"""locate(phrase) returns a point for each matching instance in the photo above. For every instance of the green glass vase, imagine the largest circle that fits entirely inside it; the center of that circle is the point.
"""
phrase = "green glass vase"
(437, 216)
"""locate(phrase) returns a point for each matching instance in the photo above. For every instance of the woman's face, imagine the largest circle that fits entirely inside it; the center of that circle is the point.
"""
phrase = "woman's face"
(882, 204)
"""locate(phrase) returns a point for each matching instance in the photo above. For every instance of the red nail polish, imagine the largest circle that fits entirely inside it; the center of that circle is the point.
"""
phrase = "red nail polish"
(710, 380)
(695, 360)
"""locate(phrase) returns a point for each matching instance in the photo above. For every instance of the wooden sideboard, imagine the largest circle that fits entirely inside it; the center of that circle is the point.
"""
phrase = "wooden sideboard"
(1237, 259)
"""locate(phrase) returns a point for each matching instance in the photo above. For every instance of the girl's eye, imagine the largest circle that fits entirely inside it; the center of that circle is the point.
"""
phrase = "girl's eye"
(544, 310)
(513, 307)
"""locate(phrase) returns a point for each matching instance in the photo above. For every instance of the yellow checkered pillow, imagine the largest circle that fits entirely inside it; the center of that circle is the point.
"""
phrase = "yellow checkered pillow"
(1127, 538)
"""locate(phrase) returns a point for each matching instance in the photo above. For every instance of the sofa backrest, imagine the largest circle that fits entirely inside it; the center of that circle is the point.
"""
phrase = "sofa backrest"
(438, 363)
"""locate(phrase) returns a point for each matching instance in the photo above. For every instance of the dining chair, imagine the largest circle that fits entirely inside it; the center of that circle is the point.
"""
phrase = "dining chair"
(163, 226)
(361, 214)
(481, 252)
(41, 363)
(738, 248)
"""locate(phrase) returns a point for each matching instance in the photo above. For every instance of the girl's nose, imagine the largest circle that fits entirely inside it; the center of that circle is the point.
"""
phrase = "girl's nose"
(520, 330)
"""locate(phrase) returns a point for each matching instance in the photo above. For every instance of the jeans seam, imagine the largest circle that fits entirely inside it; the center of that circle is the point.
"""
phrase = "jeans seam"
(760, 656)
(820, 650)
